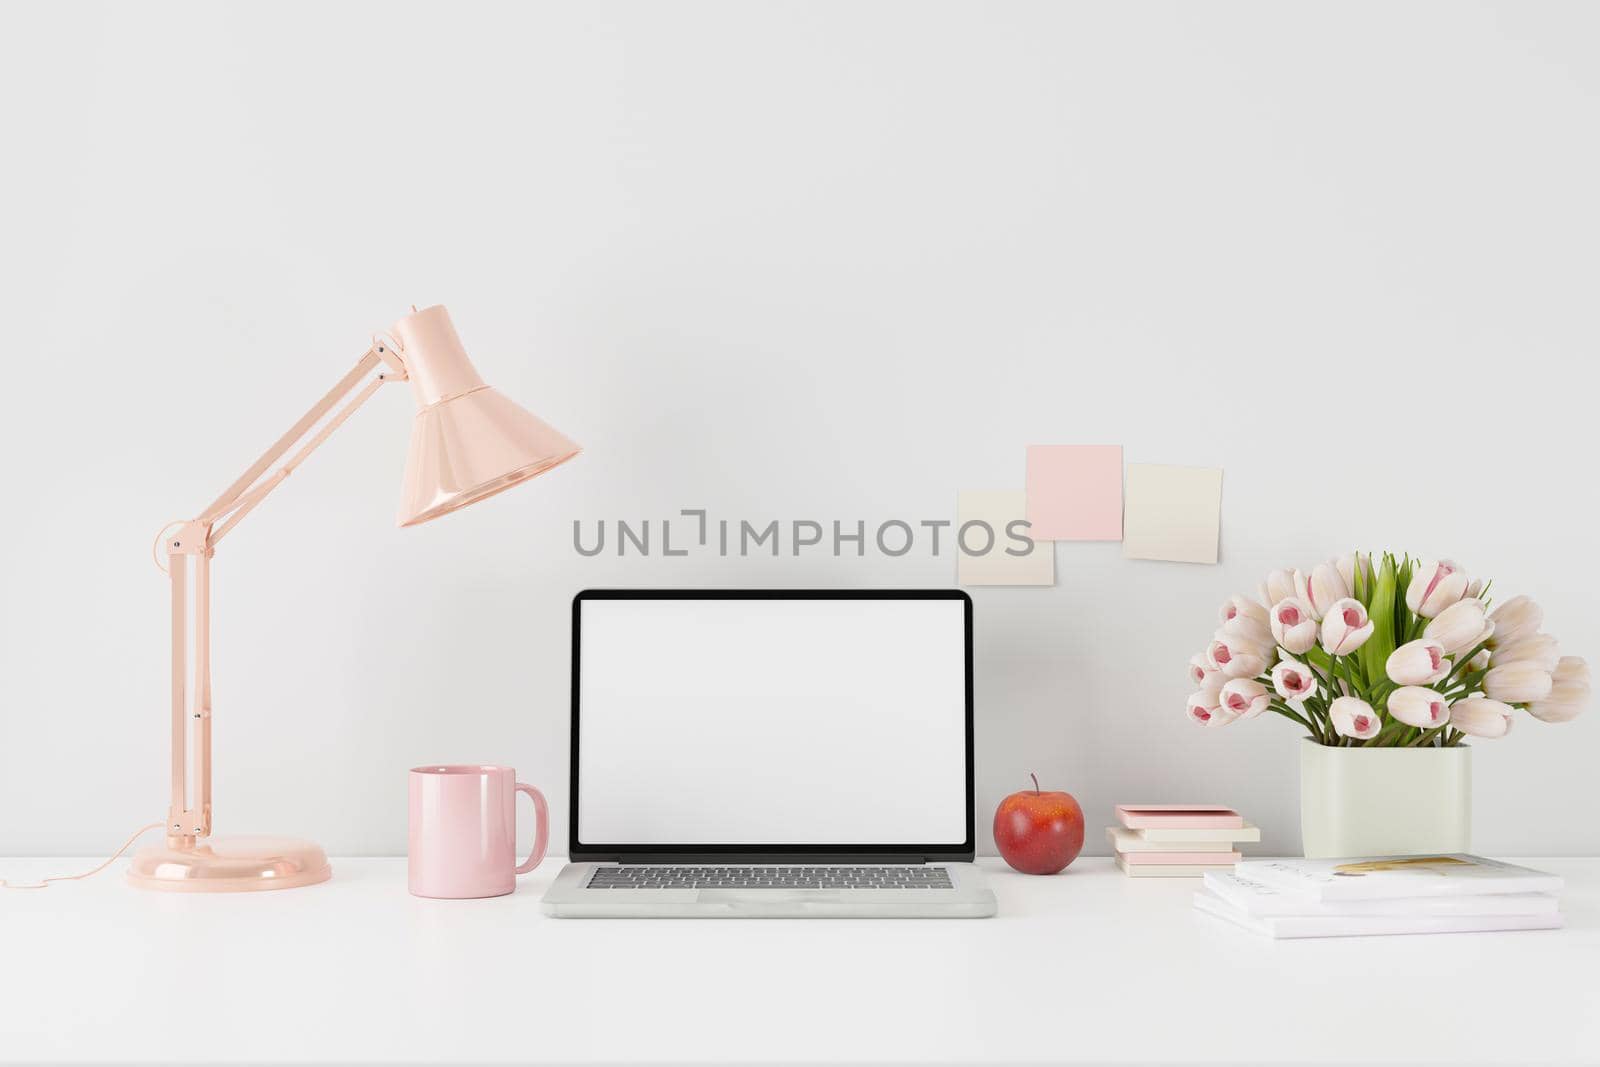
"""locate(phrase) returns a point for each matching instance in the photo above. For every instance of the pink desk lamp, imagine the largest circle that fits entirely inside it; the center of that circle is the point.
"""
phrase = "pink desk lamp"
(468, 442)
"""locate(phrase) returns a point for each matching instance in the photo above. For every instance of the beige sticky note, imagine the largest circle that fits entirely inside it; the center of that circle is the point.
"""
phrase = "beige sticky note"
(1172, 513)
(993, 543)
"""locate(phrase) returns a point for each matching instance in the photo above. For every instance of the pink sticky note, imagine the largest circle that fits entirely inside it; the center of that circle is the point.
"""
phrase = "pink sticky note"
(1075, 492)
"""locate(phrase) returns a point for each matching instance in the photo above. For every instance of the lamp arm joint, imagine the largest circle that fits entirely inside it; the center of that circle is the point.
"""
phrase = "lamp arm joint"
(250, 488)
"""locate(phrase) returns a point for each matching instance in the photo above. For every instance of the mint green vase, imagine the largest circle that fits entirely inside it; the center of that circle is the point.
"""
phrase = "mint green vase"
(1384, 801)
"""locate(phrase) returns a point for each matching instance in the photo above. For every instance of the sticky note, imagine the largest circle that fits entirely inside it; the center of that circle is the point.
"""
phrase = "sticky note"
(1075, 492)
(1172, 513)
(993, 544)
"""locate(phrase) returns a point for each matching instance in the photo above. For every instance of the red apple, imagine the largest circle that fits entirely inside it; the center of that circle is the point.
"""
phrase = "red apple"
(1039, 833)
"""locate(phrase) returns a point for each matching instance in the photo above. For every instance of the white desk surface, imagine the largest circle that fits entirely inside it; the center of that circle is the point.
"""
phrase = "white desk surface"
(1084, 967)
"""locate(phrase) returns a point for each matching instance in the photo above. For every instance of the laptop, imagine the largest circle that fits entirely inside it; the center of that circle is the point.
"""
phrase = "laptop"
(771, 753)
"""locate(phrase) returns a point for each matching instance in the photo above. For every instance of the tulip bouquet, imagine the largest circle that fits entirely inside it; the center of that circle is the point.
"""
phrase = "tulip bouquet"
(1386, 652)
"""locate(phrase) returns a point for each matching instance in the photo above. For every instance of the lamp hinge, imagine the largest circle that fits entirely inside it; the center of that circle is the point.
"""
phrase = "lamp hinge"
(391, 358)
(190, 538)
(188, 822)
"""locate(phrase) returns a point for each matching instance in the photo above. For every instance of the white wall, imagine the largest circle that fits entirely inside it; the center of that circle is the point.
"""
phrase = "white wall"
(778, 261)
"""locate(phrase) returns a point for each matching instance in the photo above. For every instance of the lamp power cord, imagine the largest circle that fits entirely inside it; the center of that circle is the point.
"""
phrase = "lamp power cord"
(45, 882)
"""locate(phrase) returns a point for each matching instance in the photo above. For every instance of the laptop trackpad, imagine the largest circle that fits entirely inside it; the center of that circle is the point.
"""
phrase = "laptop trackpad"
(766, 896)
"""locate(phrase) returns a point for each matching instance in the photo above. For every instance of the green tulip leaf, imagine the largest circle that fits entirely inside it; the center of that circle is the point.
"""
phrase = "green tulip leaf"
(1404, 621)
(1375, 653)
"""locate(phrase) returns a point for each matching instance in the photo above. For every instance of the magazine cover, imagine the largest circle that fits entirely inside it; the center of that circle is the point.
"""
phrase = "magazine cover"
(1377, 877)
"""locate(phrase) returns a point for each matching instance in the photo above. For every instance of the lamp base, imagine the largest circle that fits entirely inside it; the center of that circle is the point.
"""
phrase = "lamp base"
(228, 865)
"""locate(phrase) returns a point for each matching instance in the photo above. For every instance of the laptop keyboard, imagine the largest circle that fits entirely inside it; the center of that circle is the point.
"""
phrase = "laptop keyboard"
(652, 876)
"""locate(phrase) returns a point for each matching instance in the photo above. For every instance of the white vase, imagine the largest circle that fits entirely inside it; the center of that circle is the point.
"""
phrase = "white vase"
(1384, 801)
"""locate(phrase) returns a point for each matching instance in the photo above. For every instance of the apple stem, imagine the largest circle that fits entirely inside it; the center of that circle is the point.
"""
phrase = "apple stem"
(1035, 778)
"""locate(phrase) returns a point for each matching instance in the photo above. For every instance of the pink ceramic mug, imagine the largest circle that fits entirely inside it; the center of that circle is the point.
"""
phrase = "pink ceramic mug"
(464, 830)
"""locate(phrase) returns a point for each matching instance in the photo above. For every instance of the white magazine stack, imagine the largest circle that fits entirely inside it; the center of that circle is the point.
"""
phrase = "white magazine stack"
(1381, 895)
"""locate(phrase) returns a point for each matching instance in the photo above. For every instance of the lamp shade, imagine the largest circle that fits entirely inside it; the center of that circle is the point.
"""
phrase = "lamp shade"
(468, 441)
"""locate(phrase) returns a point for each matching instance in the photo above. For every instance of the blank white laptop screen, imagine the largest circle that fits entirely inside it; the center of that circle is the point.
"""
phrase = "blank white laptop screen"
(772, 722)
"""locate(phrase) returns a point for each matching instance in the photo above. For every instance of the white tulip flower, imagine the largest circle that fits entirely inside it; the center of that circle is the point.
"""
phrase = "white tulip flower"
(1279, 585)
(1571, 670)
(1517, 683)
(1354, 717)
(1237, 658)
(1345, 627)
(1416, 706)
(1460, 626)
(1348, 564)
(1249, 629)
(1320, 588)
(1419, 662)
(1239, 604)
(1478, 717)
(1516, 618)
(1535, 648)
(1245, 697)
(1204, 711)
(1293, 625)
(1293, 680)
(1435, 585)
(1569, 695)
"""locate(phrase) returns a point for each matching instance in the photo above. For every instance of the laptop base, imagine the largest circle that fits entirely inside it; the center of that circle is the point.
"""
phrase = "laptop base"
(572, 897)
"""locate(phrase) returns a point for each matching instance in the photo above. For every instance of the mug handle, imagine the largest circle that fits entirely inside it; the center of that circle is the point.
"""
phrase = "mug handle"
(541, 831)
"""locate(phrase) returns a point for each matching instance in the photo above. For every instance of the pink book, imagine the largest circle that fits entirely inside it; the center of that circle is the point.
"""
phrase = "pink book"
(1209, 859)
(1178, 816)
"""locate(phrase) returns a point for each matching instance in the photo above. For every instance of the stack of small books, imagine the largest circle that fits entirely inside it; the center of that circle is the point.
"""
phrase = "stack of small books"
(1177, 840)
(1381, 895)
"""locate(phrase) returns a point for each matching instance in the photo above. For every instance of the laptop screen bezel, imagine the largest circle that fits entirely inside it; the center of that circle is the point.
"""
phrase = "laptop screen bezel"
(766, 853)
